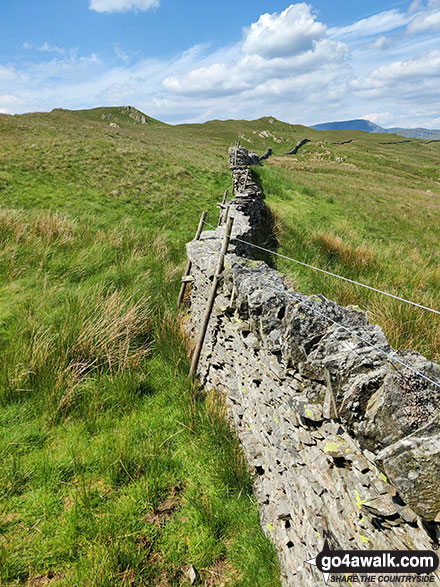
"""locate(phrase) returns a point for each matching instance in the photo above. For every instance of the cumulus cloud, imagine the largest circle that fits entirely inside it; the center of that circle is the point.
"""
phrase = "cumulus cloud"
(413, 81)
(277, 48)
(122, 5)
(422, 66)
(249, 70)
(215, 79)
(278, 35)
(286, 64)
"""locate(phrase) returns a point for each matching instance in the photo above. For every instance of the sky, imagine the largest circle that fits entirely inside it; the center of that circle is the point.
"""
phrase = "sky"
(187, 61)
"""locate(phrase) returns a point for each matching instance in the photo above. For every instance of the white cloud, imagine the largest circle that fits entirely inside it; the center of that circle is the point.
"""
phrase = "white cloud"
(420, 67)
(381, 118)
(277, 49)
(8, 103)
(415, 5)
(279, 35)
(247, 71)
(216, 79)
(425, 22)
(7, 73)
(121, 54)
(402, 85)
(382, 43)
(286, 64)
(373, 25)
(51, 48)
(122, 5)
(45, 47)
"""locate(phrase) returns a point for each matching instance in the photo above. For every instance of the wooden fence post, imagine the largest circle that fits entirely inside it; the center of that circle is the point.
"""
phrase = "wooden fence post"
(211, 299)
(222, 206)
(188, 266)
(226, 213)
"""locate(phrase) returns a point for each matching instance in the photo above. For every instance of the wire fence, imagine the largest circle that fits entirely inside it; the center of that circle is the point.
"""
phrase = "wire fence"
(290, 294)
(385, 293)
(390, 356)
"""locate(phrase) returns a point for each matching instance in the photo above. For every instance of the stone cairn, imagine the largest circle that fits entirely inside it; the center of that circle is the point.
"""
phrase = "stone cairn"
(344, 444)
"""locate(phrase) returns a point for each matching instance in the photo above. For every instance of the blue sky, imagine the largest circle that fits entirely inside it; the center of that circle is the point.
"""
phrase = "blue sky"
(304, 62)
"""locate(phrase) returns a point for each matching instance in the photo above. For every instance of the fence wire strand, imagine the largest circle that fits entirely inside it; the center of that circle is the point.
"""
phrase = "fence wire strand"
(385, 293)
(361, 338)
(390, 356)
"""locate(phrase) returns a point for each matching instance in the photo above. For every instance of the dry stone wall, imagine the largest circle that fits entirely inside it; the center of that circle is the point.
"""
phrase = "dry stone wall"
(344, 445)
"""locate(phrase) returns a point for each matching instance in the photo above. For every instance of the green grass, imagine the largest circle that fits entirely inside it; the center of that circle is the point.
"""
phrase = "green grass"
(114, 468)
(371, 213)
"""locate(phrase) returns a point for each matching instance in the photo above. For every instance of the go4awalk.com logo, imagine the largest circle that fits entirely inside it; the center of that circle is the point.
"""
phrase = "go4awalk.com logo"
(376, 566)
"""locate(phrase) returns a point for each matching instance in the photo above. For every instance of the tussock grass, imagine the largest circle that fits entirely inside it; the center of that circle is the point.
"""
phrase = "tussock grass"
(370, 220)
(115, 469)
(113, 332)
(352, 256)
(61, 335)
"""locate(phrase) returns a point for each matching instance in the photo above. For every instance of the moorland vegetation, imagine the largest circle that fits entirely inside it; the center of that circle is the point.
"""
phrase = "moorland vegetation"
(115, 469)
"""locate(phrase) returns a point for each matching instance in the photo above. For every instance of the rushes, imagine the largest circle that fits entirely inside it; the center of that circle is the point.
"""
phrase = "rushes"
(102, 334)
(99, 333)
(113, 332)
(350, 255)
(61, 328)
(96, 428)
(15, 226)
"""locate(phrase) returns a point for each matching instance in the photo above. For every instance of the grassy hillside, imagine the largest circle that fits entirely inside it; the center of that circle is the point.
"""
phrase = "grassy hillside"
(114, 468)
(369, 212)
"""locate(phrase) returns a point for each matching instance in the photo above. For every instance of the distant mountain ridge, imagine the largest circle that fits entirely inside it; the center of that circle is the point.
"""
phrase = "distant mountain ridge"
(358, 124)
(415, 133)
(368, 126)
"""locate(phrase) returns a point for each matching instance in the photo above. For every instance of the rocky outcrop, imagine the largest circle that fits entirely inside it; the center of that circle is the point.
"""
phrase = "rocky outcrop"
(109, 116)
(344, 442)
(134, 114)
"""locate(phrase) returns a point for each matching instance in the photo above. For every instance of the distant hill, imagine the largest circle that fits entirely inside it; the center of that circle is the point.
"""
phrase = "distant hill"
(115, 116)
(368, 126)
(359, 124)
(416, 133)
